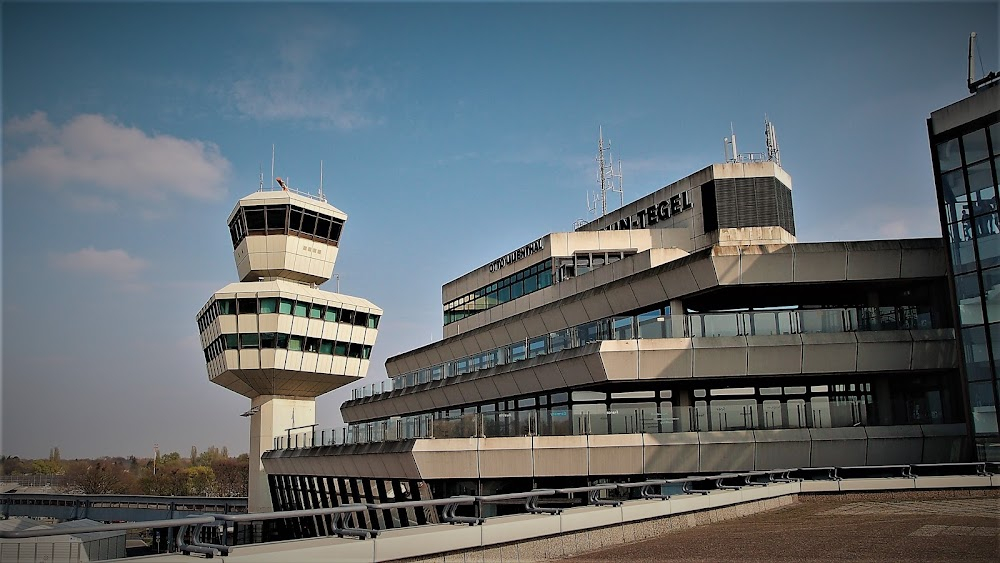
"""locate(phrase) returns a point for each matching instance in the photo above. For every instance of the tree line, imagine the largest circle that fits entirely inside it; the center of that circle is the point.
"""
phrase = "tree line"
(209, 473)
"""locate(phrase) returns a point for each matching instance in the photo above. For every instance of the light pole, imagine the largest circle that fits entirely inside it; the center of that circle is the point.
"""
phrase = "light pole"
(337, 277)
(156, 454)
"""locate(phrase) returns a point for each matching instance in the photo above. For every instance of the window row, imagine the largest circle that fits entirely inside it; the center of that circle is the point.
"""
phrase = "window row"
(975, 241)
(284, 306)
(281, 341)
(970, 191)
(284, 220)
(582, 262)
(974, 147)
(507, 289)
(656, 323)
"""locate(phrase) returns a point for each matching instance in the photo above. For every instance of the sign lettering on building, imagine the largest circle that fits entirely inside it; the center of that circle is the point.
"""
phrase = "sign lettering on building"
(646, 218)
(526, 250)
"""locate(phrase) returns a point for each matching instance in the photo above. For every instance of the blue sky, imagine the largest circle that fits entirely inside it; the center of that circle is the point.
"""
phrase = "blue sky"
(450, 135)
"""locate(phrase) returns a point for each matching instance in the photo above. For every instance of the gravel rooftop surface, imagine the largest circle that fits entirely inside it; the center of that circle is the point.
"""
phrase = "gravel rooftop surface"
(827, 528)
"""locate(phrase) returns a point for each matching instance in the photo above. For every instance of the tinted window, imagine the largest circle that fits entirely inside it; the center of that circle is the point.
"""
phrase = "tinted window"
(255, 218)
(247, 306)
(276, 218)
(308, 222)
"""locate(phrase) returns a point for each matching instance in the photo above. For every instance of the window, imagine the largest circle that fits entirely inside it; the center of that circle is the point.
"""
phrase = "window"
(354, 350)
(295, 342)
(255, 220)
(282, 341)
(347, 316)
(249, 340)
(268, 305)
(308, 223)
(316, 312)
(536, 346)
(335, 228)
(285, 306)
(340, 349)
(312, 344)
(331, 314)
(948, 156)
(294, 218)
(301, 309)
(373, 321)
(973, 144)
(248, 306)
(276, 219)
(268, 340)
(231, 341)
(322, 227)
(326, 347)
(227, 306)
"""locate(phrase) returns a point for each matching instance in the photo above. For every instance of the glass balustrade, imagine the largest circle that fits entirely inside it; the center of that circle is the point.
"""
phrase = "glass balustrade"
(587, 419)
(657, 324)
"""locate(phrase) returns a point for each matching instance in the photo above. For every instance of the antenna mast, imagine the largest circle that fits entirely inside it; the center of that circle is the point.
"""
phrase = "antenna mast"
(272, 166)
(973, 83)
(608, 178)
(321, 196)
(773, 153)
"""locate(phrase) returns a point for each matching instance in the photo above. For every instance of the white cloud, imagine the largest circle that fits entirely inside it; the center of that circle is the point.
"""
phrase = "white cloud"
(95, 153)
(114, 265)
(299, 85)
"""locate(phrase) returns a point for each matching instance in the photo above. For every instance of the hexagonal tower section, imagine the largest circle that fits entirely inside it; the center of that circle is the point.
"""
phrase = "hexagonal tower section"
(274, 336)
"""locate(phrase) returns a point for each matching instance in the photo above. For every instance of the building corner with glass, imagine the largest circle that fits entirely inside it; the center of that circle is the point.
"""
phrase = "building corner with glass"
(965, 148)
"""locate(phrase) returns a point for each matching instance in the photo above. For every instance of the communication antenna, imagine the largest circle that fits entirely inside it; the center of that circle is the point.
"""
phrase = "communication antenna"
(973, 83)
(321, 196)
(773, 153)
(261, 178)
(608, 178)
(272, 165)
(731, 154)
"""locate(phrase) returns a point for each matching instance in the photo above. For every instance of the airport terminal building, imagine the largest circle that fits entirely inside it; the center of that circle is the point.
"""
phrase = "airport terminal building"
(686, 332)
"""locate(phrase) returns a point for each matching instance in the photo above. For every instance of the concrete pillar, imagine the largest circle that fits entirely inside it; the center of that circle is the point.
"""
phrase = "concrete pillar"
(678, 320)
(274, 417)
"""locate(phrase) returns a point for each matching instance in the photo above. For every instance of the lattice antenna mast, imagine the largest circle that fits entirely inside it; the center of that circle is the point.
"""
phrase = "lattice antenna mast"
(773, 153)
(609, 179)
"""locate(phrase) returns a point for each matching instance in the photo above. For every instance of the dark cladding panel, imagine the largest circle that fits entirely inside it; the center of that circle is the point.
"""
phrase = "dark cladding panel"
(767, 202)
(747, 202)
(708, 206)
(725, 202)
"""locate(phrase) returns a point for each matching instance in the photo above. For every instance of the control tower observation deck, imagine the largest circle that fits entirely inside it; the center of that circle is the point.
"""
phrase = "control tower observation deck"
(274, 336)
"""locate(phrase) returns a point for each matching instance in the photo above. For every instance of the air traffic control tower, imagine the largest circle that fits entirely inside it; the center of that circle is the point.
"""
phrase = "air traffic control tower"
(274, 336)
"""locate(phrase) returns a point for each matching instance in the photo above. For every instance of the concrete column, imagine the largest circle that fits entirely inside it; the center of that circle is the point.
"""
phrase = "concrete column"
(274, 417)
(678, 320)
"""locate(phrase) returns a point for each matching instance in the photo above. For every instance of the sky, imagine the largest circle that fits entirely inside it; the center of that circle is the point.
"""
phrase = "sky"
(449, 133)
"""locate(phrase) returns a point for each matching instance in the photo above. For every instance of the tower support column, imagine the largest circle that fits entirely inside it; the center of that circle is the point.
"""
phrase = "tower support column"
(274, 416)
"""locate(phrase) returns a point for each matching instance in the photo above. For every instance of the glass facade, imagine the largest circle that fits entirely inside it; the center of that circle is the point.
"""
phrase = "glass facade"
(285, 306)
(657, 323)
(520, 283)
(966, 162)
(284, 220)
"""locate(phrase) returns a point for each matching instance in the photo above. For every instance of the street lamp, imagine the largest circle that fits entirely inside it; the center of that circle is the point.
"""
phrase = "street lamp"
(156, 454)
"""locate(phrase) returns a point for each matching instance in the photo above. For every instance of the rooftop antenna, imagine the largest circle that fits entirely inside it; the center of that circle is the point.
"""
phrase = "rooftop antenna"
(973, 83)
(608, 178)
(261, 178)
(731, 154)
(773, 153)
(272, 165)
(321, 196)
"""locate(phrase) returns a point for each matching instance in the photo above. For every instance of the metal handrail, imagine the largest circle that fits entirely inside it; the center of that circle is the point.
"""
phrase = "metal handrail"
(710, 482)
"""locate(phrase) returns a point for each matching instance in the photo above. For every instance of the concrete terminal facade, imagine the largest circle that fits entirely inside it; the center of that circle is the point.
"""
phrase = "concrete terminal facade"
(686, 332)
